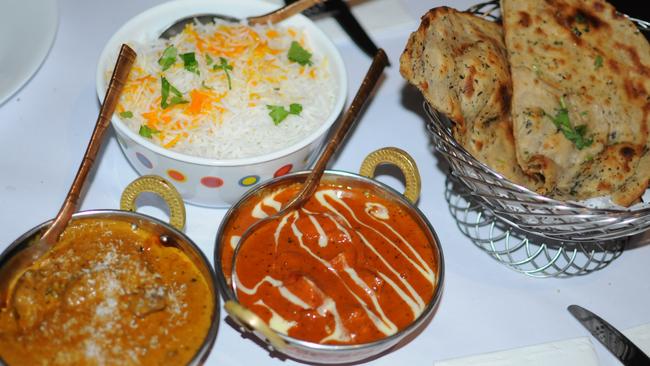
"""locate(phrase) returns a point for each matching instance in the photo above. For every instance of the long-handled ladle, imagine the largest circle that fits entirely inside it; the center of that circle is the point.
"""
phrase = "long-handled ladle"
(11, 272)
(380, 61)
(273, 17)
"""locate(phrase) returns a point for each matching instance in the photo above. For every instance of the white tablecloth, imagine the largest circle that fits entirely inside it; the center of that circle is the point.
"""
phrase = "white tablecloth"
(485, 307)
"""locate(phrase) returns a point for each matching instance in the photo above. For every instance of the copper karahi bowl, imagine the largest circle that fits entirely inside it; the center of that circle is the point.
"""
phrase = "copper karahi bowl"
(288, 336)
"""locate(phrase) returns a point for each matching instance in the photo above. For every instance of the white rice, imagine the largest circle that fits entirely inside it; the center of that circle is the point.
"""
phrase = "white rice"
(233, 123)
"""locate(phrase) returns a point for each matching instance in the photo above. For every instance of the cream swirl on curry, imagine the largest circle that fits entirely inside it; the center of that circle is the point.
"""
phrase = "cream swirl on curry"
(349, 267)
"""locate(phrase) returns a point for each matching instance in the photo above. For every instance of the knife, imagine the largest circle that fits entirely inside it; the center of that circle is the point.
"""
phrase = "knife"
(341, 12)
(618, 344)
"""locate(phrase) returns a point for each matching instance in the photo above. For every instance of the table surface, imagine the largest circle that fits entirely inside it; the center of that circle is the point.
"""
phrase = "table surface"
(485, 306)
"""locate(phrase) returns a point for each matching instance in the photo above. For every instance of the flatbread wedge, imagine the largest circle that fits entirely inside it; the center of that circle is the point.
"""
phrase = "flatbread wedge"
(459, 63)
(580, 105)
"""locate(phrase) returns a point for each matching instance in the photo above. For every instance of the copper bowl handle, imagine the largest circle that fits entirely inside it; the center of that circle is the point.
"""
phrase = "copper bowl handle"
(250, 320)
(402, 160)
(161, 187)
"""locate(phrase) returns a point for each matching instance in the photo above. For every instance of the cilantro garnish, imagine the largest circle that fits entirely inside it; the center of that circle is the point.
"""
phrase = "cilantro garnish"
(146, 131)
(190, 63)
(598, 62)
(208, 59)
(295, 108)
(126, 114)
(563, 123)
(299, 54)
(581, 20)
(576, 31)
(166, 87)
(278, 113)
(223, 65)
(168, 57)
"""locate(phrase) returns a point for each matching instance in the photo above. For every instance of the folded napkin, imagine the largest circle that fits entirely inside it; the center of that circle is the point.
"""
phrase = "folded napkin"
(377, 17)
(640, 336)
(571, 352)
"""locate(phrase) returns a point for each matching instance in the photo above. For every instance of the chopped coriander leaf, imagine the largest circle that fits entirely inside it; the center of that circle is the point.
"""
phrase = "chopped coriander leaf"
(576, 31)
(295, 108)
(598, 62)
(190, 63)
(146, 131)
(563, 123)
(206, 86)
(223, 65)
(208, 59)
(168, 57)
(299, 54)
(126, 114)
(177, 97)
(277, 113)
(581, 19)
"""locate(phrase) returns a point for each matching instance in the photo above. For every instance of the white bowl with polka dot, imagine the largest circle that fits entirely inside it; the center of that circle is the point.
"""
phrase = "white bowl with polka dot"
(212, 182)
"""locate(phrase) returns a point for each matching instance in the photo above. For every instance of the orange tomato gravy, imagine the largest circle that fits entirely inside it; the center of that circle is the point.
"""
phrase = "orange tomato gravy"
(107, 295)
(350, 267)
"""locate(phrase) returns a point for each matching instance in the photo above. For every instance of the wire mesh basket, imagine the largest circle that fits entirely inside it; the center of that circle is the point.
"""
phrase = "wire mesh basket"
(522, 252)
(522, 208)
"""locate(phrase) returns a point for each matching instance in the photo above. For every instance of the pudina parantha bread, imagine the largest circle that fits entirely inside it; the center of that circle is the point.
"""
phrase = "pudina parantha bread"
(459, 63)
(580, 105)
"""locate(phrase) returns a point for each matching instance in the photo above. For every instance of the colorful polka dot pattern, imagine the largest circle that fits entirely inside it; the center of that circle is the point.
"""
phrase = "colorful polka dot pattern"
(143, 160)
(282, 171)
(176, 175)
(249, 180)
(211, 181)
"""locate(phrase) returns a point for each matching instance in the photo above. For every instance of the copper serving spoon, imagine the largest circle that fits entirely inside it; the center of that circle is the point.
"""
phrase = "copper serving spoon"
(273, 17)
(15, 267)
(379, 62)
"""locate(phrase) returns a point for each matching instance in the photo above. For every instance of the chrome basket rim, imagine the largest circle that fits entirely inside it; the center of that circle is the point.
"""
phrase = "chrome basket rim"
(529, 211)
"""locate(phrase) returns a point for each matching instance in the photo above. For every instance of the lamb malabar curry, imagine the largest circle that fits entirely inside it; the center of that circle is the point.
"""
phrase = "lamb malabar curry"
(107, 294)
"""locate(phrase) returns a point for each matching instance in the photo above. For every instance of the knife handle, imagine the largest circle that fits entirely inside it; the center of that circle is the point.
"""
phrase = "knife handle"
(319, 10)
(341, 12)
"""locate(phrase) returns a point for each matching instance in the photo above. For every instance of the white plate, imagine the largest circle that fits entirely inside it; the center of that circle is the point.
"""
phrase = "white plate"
(27, 30)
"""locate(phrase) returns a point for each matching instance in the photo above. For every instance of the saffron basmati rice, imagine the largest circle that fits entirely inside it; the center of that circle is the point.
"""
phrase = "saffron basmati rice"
(221, 122)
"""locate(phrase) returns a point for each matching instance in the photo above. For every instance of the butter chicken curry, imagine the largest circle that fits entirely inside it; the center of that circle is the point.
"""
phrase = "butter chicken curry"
(349, 267)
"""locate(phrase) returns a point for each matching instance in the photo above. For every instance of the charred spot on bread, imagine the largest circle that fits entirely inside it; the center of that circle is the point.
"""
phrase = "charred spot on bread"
(524, 19)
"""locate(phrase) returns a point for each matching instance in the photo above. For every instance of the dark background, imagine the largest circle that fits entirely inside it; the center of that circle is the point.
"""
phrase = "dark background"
(636, 9)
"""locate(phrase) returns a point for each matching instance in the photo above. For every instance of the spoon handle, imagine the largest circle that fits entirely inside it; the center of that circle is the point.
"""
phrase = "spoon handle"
(118, 79)
(283, 13)
(379, 62)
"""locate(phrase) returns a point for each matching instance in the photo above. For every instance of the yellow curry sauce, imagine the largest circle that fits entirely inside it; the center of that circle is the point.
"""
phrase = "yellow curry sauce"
(350, 267)
(108, 294)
